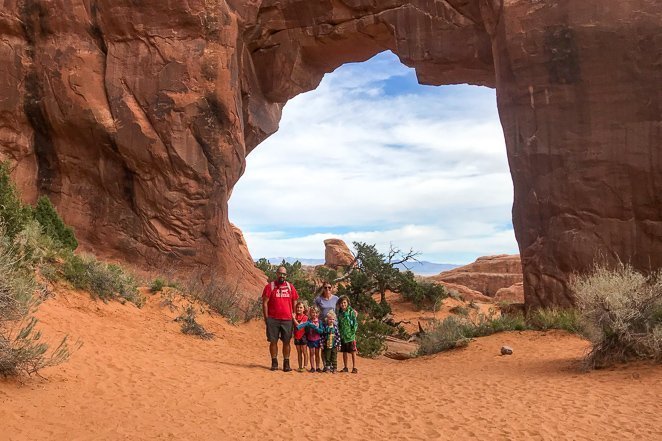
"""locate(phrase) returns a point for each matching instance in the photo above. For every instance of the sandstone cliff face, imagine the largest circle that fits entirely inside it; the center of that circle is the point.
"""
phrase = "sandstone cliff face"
(136, 117)
(486, 275)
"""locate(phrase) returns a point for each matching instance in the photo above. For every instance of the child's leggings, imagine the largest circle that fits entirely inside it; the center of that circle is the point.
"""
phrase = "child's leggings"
(331, 357)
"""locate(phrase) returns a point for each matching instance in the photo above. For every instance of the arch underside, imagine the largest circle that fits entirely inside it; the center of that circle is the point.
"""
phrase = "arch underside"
(136, 117)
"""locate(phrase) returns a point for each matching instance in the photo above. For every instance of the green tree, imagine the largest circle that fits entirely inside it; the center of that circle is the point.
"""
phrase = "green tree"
(381, 271)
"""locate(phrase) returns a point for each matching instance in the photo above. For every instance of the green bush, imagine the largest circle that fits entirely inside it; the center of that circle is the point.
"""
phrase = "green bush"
(105, 281)
(53, 225)
(621, 312)
(371, 337)
(157, 285)
(13, 214)
(423, 294)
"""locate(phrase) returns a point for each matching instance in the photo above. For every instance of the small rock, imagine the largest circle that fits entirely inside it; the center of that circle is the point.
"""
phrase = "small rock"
(506, 350)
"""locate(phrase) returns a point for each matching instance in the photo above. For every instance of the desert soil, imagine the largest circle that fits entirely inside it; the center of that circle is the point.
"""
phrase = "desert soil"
(137, 377)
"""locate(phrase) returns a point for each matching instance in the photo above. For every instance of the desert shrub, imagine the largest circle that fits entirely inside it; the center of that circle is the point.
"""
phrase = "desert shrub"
(26, 354)
(52, 224)
(455, 332)
(459, 310)
(621, 311)
(190, 326)
(371, 337)
(13, 214)
(103, 280)
(157, 285)
(449, 333)
(491, 323)
(425, 294)
(22, 352)
(554, 318)
(455, 295)
(224, 298)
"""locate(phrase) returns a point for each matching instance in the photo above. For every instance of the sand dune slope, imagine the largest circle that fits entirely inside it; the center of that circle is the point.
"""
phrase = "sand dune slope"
(136, 377)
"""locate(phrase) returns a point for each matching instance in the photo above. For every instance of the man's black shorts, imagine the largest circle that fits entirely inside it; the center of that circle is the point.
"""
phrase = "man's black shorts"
(279, 329)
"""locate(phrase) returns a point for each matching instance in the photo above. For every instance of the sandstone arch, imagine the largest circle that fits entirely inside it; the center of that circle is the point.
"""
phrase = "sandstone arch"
(136, 117)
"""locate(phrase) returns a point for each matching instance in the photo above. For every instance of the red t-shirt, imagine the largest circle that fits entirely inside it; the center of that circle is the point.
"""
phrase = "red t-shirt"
(280, 300)
(298, 333)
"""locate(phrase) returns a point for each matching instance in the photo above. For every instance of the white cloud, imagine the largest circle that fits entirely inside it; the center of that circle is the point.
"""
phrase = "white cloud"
(367, 157)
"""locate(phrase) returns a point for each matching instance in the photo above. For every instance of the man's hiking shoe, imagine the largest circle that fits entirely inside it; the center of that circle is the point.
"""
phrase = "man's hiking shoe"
(344, 370)
(286, 366)
(274, 364)
(355, 371)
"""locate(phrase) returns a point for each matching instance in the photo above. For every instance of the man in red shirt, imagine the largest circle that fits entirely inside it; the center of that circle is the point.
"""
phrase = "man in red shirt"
(278, 300)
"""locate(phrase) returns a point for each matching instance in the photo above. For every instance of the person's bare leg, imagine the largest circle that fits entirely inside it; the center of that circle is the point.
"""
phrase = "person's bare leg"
(344, 359)
(305, 357)
(273, 349)
(354, 360)
(299, 355)
(318, 357)
(286, 349)
(311, 353)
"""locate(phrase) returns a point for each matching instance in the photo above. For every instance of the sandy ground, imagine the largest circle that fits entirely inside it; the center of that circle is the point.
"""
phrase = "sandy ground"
(136, 377)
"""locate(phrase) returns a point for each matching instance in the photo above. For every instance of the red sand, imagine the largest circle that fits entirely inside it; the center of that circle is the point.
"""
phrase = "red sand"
(136, 377)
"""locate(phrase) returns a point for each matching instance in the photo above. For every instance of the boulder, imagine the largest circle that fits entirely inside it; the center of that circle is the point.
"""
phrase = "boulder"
(337, 254)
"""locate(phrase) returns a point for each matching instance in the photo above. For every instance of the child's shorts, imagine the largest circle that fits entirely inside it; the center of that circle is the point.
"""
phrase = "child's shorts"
(300, 341)
(315, 344)
(350, 346)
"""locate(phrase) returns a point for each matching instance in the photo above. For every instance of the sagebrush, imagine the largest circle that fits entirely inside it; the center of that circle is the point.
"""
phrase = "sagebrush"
(621, 311)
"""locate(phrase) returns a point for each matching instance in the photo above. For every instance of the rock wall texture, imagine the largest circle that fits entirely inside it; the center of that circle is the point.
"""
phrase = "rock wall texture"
(136, 117)
(486, 275)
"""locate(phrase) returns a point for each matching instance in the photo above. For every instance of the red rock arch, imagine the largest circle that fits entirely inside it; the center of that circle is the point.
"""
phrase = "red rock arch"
(136, 117)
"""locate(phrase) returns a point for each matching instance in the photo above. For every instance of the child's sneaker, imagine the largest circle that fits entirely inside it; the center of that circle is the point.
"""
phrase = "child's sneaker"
(301, 370)
(312, 370)
(326, 369)
(344, 369)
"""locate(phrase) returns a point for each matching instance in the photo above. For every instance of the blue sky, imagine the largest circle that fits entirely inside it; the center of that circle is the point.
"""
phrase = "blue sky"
(373, 156)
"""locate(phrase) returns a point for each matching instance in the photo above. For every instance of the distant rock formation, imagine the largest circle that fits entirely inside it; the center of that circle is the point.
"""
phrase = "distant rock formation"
(486, 275)
(136, 117)
(337, 254)
(512, 294)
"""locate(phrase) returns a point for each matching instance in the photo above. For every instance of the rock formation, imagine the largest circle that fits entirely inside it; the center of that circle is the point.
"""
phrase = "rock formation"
(512, 294)
(337, 254)
(486, 275)
(136, 117)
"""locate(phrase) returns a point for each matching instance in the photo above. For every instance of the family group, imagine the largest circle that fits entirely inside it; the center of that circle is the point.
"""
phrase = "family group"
(319, 331)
